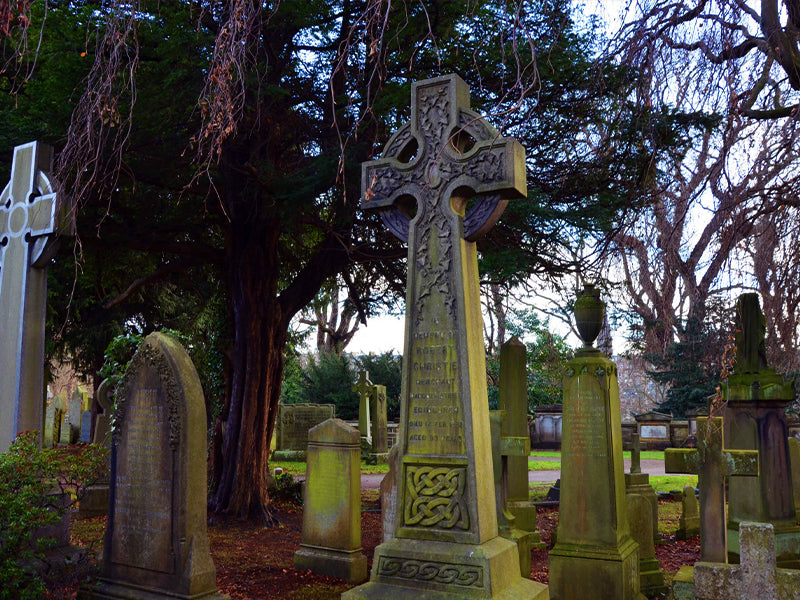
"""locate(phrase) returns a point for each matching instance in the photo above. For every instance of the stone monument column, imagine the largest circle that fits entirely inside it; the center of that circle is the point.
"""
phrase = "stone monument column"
(595, 557)
(755, 419)
(447, 544)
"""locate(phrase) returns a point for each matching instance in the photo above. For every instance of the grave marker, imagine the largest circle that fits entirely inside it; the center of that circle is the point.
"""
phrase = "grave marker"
(379, 447)
(689, 522)
(595, 557)
(446, 543)
(364, 388)
(640, 518)
(755, 419)
(156, 543)
(637, 482)
(331, 542)
(711, 462)
(794, 460)
(292, 426)
(28, 236)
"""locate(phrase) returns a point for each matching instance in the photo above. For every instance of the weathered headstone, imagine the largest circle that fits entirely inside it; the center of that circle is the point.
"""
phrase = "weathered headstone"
(28, 224)
(653, 429)
(794, 460)
(755, 418)
(156, 543)
(712, 463)
(640, 519)
(331, 542)
(52, 423)
(378, 414)
(595, 556)
(86, 427)
(446, 542)
(514, 401)
(389, 495)
(502, 449)
(75, 412)
(364, 388)
(637, 482)
(95, 498)
(689, 521)
(292, 426)
(756, 577)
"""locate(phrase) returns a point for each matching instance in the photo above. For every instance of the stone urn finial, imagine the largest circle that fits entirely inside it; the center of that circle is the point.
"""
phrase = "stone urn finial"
(589, 312)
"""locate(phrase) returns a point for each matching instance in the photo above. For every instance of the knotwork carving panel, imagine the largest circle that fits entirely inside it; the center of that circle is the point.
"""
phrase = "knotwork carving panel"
(435, 497)
(446, 573)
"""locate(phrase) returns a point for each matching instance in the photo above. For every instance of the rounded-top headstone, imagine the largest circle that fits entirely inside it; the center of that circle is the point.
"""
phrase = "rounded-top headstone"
(589, 312)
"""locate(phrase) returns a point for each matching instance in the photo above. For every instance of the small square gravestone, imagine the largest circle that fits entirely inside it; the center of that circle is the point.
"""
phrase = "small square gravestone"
(331, 542)
(156, 543)
(292, 426)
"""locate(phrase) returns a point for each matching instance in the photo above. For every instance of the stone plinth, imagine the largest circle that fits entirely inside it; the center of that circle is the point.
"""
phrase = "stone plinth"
(156, 544)
(640, 519)
(595, 557)
(331, 542)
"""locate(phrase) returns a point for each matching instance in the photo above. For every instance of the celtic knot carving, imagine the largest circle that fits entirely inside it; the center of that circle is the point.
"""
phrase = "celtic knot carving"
(435, 274)
(435, 497)
(451, 574)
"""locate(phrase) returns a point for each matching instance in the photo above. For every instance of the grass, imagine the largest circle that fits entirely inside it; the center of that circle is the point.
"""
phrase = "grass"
(543, 465)
(660, 483)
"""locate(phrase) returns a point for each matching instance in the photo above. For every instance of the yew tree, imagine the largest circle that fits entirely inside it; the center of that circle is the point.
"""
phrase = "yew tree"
(213, 151)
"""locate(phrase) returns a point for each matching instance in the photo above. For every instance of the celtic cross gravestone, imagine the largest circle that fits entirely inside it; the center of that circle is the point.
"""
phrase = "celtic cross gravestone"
(27, 243)
(446, 542)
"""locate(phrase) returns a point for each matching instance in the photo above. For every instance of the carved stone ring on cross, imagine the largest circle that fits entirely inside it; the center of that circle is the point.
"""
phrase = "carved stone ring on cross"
(486, 210)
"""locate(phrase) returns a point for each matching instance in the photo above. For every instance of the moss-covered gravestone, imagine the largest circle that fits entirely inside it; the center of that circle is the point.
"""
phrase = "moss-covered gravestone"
(331, 543)
(637, 482)
(28, 235)
(595, 556)
(446, 544)
(794, 460)
(640, 520)
(156, 544)
(755, 418)
(689, 521)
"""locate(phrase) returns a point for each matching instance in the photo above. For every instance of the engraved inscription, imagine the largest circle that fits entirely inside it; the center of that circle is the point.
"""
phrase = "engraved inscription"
(142, 525)
(586, 426)
(435, 497)
(654, 432)
(448, 573)
(435, 422)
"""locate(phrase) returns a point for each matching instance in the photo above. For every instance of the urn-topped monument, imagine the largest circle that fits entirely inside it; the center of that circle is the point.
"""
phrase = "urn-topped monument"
(595, 557)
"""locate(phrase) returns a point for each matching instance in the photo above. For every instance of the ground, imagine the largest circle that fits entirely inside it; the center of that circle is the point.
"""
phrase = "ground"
(254, 563)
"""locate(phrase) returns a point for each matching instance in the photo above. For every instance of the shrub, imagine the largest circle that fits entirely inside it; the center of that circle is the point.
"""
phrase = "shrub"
(27, 478)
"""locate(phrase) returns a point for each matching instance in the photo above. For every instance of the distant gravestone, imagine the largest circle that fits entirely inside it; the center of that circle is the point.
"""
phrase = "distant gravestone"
(102, 423)
(28, 228)
(595, 557)
(293, 424)
(364, 388)
(712, 463)
(446, 543)
(86, 427)
(156, 544)
(637, 482)
(514, 401)
(52, 423)
(380, 422)
(640, 519)
(331, 542)
(75, 412)
(689, 522)
(755, 419)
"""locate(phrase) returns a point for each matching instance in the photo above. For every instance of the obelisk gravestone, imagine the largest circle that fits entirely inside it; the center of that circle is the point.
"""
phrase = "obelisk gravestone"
(446, 543)
(27, 244)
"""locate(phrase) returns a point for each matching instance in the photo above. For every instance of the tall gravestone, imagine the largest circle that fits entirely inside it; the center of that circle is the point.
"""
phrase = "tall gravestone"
(28, 228)
(379, 447)
(637, 482)
(446, 544)
(514, 401)
(595, 556)
(156, 544)
(331, 542)
(755, 419)
(364, 389)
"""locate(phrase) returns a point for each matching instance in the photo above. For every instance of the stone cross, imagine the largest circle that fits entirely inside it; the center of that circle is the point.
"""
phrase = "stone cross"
(28, 223)
(364, 388)
(447, 541)
(636, 453)
(712, 463)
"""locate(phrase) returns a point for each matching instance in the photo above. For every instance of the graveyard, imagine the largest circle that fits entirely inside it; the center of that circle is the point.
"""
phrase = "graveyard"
(584, 215)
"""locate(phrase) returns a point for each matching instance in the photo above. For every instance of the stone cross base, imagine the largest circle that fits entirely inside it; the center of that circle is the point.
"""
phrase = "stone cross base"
(756, 577)
(114, 590)
(639, 483)
(525, 518)
(348, 565)
(786, 539)
(407, 569)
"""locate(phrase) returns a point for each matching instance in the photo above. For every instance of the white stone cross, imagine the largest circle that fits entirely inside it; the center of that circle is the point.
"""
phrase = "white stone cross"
(27, 244)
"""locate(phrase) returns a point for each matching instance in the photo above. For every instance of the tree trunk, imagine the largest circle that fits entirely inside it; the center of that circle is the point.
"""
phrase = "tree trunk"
(259, 337)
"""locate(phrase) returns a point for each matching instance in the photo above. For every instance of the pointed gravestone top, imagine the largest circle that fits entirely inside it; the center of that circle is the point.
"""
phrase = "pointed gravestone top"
(27, 224)
(751, 328)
